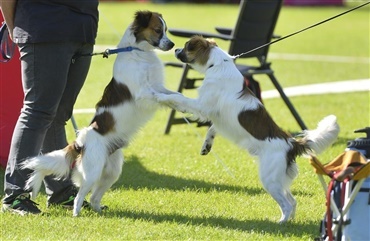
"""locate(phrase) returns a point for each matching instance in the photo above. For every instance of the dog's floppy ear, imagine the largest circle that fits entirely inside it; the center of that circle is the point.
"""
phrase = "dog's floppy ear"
(212, 42)
(142, 19)
(198, 42)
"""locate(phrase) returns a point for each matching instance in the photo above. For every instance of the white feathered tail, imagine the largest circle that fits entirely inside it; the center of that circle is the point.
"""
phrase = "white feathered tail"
(312, 142)
(323, 136)
(57, 163)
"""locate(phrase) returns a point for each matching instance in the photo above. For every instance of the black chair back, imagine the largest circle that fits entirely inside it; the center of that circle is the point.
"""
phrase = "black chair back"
(254, 27)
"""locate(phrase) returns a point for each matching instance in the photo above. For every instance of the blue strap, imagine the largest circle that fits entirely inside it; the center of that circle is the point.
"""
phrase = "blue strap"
(108, 52)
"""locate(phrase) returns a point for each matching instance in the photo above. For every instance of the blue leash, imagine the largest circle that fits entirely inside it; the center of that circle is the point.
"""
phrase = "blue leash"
(107, 52)
(7, 48)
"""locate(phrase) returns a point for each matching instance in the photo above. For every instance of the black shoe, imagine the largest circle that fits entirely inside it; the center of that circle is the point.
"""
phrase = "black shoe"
(68, 204)
(22, 205)
(66, 199)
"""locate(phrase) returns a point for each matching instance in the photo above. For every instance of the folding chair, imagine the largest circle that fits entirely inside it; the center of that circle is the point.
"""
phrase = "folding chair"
(348, 173)
(254, 27)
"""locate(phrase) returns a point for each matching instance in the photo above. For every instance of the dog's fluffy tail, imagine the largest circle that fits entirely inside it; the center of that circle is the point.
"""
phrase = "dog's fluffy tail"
(323, 136)
(57, 163)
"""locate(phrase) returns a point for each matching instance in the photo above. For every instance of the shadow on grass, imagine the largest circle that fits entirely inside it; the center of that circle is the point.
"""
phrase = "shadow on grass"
(136, 176)
(258, 226)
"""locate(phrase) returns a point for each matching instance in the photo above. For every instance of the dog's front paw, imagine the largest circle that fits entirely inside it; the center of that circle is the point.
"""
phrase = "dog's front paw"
(208, 142)
(165, 99)
(206, 148)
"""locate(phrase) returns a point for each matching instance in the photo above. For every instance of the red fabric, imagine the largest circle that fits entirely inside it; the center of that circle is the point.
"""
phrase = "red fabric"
(11, 98)
(329, 220)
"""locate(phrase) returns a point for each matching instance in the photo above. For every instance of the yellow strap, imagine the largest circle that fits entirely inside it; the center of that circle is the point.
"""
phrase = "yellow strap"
(341, 162)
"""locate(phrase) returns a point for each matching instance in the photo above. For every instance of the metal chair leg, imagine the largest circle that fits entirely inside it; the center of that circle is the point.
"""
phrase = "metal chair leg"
(172, 119)
(287, 102)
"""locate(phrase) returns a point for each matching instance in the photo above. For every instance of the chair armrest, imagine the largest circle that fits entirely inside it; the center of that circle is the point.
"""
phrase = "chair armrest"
(190, 33)
(174, 64)
(223, 30)
(228, 31)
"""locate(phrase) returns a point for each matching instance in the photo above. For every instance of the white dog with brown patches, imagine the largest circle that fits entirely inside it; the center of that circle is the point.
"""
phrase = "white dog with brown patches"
(95, 158)
(238, 115)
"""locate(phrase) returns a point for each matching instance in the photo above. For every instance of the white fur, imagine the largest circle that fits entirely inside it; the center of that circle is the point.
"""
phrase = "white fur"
(219, 101)
(141, 72)
(319, 142)
(52, 163)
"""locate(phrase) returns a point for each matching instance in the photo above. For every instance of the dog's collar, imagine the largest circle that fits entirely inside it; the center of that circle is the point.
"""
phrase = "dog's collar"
(108, 52)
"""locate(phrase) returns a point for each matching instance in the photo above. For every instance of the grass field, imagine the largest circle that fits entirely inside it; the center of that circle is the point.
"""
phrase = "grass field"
(167, 191)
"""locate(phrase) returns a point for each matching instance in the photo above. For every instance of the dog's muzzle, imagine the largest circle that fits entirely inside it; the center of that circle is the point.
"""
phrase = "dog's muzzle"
(165, 44)
(180, 55)
(177, 52)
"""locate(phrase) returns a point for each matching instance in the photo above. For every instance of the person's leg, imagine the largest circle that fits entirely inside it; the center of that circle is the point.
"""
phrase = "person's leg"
(42, 96)
(45, 68)
(63, 190)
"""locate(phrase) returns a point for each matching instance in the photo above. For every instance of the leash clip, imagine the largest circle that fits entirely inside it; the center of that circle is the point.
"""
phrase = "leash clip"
(106, 53)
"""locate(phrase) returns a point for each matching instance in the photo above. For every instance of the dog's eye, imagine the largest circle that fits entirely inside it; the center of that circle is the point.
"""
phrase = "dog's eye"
(158, 31)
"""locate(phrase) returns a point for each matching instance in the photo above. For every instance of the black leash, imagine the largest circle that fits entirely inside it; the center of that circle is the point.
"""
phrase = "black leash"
(302, 30)
(7, 46)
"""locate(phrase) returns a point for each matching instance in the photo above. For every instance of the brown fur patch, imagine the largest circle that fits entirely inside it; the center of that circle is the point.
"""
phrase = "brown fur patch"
(148, 26)
(198, 49)
(260, 125)
(114, 93)
(103, 123)
(72, 153)
(300, 147)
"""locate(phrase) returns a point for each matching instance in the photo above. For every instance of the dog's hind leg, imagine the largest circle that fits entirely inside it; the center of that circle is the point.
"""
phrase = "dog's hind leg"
(279, 194)
(292, 201)
(292, 173)
(92, 167)
(110, 175)
(208, 142)
(272, 174)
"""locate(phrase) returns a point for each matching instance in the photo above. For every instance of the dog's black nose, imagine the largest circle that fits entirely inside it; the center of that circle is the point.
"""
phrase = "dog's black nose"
(170, 45)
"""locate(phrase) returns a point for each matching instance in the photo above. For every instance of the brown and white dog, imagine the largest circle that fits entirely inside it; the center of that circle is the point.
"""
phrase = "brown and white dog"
(238, 115)
(95, 158)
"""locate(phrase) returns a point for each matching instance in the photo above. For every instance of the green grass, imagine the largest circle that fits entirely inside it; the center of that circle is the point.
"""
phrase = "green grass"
(167, 191)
